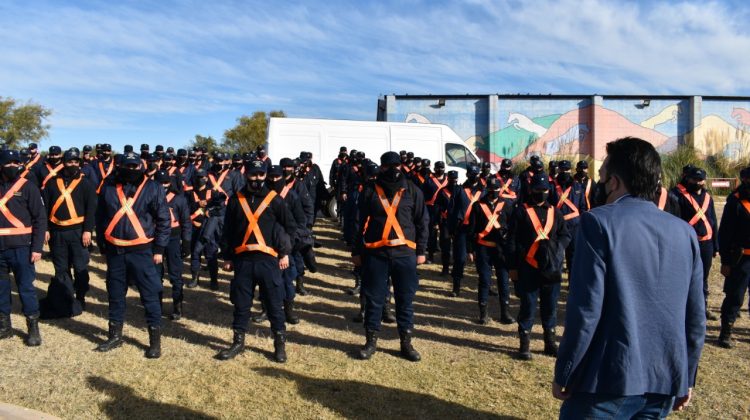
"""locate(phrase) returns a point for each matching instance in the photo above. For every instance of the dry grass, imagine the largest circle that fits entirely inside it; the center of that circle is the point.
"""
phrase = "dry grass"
(468, 371)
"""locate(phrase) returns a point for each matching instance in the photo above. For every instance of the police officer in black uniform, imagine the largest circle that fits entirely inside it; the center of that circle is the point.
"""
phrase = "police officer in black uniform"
(734, 247)
(132, 230)
(23, 222)
(392, 245)
(458, 219)
(257, 248)
(71, 209)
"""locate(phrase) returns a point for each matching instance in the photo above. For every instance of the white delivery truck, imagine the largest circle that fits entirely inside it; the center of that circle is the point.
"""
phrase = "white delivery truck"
(287, 137)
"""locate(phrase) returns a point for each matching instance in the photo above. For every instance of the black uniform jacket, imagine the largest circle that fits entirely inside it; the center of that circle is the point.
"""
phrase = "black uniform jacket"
(734, 230)
(26, 206)
(84, 202)
(478, 221)
(522, 235)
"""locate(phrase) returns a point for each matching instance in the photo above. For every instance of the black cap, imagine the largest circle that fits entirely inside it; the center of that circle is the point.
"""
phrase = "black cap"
(87, 148)
(260, 147)
(182, 152)
(537, 165)
(304, 156)
(33, 146)
(486, 165)
(582, 164)
(247, 156)
(687, 168)
(255, 167)
(472, 169)
(452, 174)
(202, 149)
(9, 155)
(130, 158)
(159, 148)
(506, 164)
(534, 158)
(540, 181)
(144, 147)
(55, 150)
(191, 152)
(409, 155)
(342, 149)
(553, 164)
(286, 162)
(402, 153)
(168, 157)
(153, 157)
(390, 158)
(128, 148)
(161, 176)
(275, 170)
(24, 152)
(170, 149)
(439, 164)
(697, 173)
(106, 147)
(71, 155)
(426, 163)
(494, 184)
(371, 169)
(564, 165)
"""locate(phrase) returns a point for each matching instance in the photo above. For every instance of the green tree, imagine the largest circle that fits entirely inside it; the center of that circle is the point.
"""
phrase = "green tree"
(209, 143)
(22, 123)
(249, 131)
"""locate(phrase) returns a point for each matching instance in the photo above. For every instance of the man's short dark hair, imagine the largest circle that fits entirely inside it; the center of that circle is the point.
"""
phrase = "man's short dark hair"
(637, 163)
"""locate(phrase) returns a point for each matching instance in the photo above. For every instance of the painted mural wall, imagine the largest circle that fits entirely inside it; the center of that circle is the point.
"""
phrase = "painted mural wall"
(577, 128)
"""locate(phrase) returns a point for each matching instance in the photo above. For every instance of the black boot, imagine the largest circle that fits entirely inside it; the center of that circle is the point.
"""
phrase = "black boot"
(366, 352)
(214, 282)
(445, 271)
(300, 289)
(725, 335)
(5, 326)
(354, 290)
(505, 317)
(82, 301)
(262, 316)
(154, 343)
(524, 353)
(550, 342)
(279, 346)
(494, 292)
(114, 337)
(360, 317)
(289, 312)
(482, 314)
(177, 310)
(456, 288)
(407, 350)
(33, 339)
(193, 283)
(237, 347)
(308, 258)
(387, 317)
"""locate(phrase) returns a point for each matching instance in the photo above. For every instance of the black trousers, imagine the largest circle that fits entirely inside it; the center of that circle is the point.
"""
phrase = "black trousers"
(173, 261)
(265, 273)
(707, 256)
(376, 270)
(734, 290)
(67, 251)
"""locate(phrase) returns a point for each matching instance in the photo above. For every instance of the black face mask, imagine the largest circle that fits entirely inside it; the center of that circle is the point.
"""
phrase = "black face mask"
(564, 178)
(236, 165)
(277, 186)
(342, 156)
(216, 167)
(539, 196)
(181, 160)
(106, 156)
(129, 176)
(152, 166)
(693, 188)
(201, 182)
(439, 172)
(492, 195)
(166, 188)
(11, 172)
(471, 177)
(581, 173)
(255, 185)
(505, 172)
(288, 173)
(262, 154)
(392, 174)
(485, 172)
(452, 182)
(425, 171)
(54, 161)
(71, 171)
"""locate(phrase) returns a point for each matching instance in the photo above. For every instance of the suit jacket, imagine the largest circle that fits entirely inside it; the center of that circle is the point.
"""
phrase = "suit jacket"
(635, 319)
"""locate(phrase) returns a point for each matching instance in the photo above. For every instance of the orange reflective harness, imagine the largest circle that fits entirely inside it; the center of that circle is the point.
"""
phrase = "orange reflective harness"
(286, 188)
(104, 174)
(216, 184)
(563, 199)
(52, 173)
(493, 222)
(200, 211)
(662, 199)
(127, 210)
(472, 199)
(174, 223)
(700, 212)
(444, 213)
(542, 233)
(29, 164)
(440, 185)
(253, 228)
(18, 226)
(587, 192)
(746, 205)
(391, 222)
(67, 198)
(505, 191)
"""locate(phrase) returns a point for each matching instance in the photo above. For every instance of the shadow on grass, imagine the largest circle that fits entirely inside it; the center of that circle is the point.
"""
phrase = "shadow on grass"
(125, 404)
(355, 400)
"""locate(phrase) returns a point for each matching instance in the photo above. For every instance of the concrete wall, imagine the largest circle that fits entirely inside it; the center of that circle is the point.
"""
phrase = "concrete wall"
(576, 127)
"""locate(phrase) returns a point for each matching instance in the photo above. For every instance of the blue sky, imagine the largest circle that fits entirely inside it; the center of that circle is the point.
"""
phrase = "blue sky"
(161, 72)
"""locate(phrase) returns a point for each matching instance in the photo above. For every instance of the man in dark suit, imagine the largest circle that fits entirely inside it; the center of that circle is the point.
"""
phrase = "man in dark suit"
(635, 319)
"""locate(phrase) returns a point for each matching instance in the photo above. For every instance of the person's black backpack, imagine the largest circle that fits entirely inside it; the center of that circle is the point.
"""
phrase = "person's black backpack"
(60, 301)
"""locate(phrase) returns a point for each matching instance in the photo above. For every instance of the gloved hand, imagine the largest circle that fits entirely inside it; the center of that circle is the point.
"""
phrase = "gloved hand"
(185, 249)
